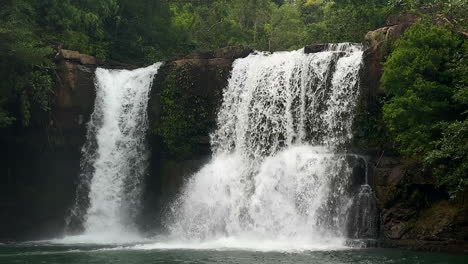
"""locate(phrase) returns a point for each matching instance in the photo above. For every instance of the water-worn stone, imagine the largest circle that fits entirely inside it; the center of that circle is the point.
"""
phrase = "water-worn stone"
(76, 56)
(378, 42)
(314, 48)
(233, 52)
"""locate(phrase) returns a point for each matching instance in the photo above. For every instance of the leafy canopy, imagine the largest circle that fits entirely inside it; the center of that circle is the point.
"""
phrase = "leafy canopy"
(425, 78)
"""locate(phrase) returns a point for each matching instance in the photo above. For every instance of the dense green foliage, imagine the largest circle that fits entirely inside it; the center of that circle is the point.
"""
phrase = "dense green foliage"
(277, 25)
(449, 159)
(426, 80)
(25, 67)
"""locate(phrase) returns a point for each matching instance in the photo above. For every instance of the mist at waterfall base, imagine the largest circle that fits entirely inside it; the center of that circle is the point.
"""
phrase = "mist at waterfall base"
(280, 175)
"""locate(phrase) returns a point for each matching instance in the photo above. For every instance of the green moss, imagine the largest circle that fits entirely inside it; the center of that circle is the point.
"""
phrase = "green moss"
(188, 107)
(434, 221)
(370, 129)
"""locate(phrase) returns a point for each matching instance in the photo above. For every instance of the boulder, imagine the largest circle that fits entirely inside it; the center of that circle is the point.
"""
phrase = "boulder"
(233, 52)
(230, 53)
(378, 48)
(415, 213)
(314, 48)
(76, 56)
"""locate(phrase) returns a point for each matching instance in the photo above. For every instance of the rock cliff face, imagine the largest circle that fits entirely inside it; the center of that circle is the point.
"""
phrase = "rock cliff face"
(414, 213)
(42, 162)
(378, 48)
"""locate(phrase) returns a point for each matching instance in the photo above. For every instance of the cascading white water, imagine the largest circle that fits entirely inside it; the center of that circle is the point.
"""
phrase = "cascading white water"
(275, 175)
(115, 155)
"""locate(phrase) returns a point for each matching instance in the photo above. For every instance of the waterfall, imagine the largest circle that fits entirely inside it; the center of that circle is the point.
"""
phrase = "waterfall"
(114, 155)
(279, 170)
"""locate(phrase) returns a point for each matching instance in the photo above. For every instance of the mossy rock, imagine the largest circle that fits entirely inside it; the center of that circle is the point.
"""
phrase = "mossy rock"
(189, 94)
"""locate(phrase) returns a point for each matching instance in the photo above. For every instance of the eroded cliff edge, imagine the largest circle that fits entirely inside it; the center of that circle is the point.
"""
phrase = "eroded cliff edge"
(42, 162)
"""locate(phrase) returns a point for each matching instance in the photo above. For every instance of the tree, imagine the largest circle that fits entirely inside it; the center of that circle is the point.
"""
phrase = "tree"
(25, 65)
(449, 159)
(343, 20)
(420, 79)
(286, 29)
(426, 80)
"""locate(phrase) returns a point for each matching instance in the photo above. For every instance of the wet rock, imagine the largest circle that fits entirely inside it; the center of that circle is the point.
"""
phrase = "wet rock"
(414, 209)
(378, 47)
(395, 222)
(314, 48)
(76, 56)
(232, 52)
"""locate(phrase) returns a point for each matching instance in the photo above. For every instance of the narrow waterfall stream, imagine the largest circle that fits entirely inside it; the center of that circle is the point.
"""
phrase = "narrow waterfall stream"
(114, 156)
(278, 176)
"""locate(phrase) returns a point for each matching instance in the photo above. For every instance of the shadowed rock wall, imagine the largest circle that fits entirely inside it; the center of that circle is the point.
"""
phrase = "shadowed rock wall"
(42, 162)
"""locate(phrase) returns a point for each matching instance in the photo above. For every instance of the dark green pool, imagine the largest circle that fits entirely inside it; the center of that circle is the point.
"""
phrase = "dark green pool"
(40, 253)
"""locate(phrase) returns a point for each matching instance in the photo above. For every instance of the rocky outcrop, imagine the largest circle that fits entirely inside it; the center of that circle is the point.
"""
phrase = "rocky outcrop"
(43, 161)
(75, 56)
(414, 212)
(184, 102)
(378, 44)
(74, 94)
(369, 129)
(314, 48)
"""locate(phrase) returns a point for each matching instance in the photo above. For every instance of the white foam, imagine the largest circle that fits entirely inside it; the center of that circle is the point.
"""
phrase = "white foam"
(102, 238)
(245, 244)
